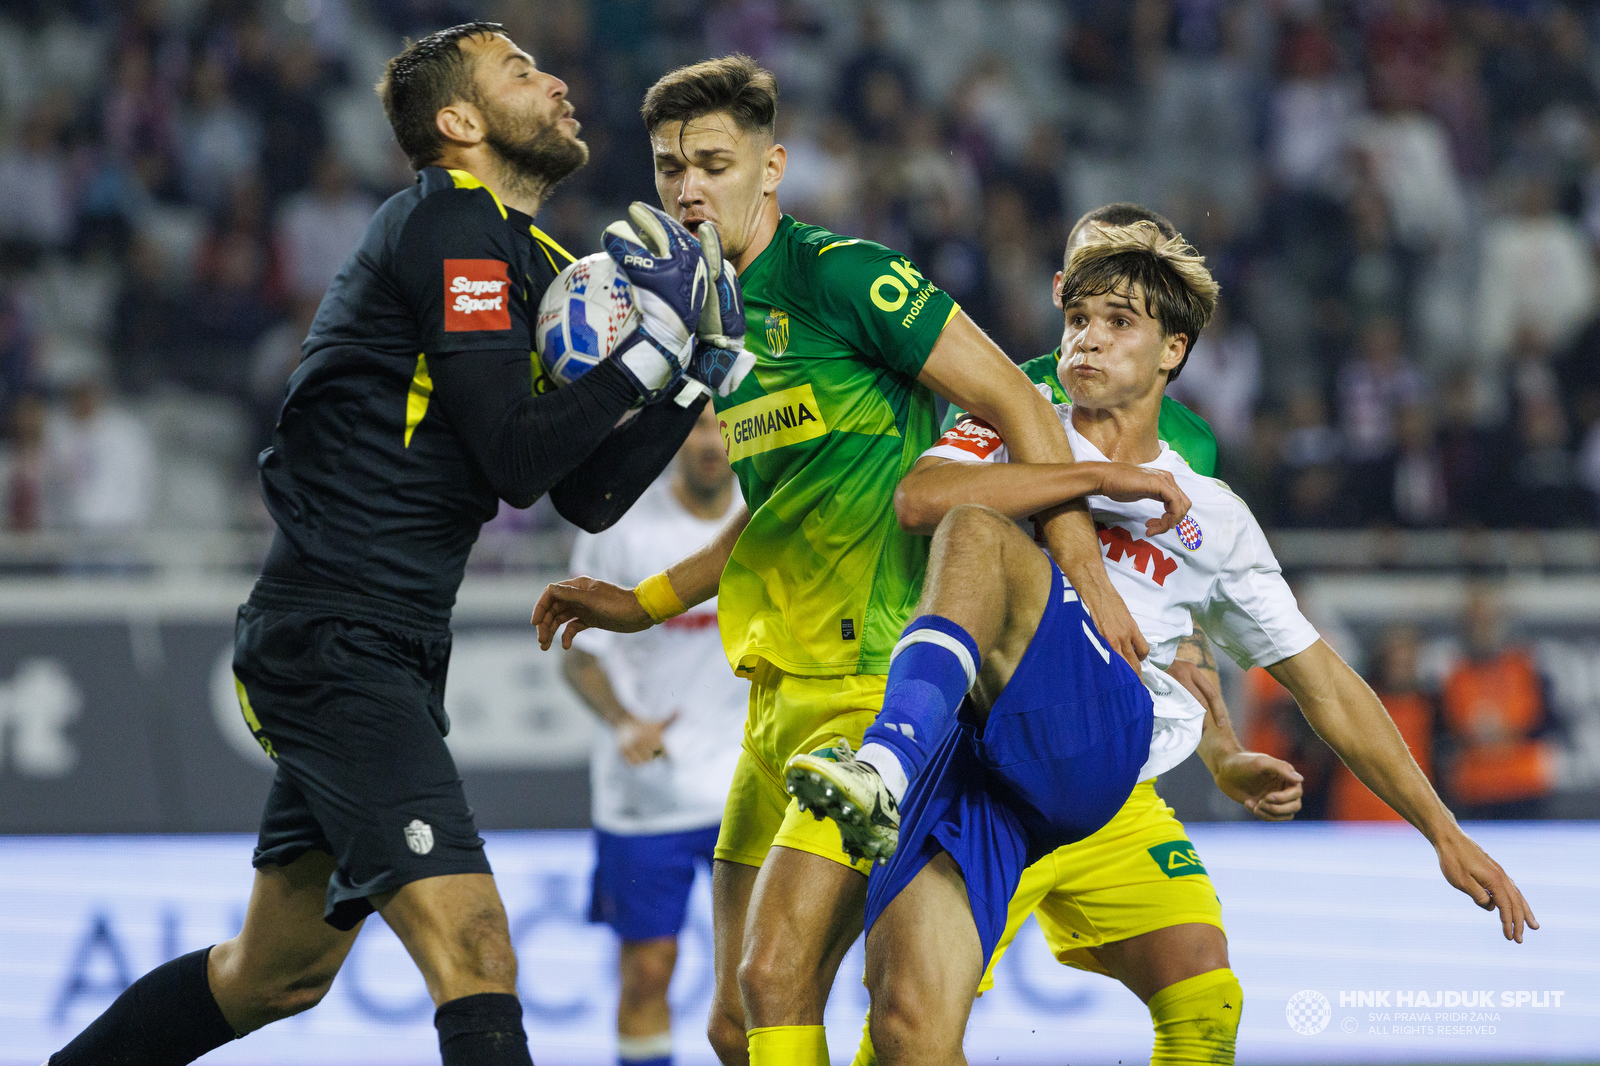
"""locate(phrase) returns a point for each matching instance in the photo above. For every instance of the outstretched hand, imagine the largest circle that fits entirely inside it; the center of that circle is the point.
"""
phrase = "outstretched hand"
(1468, 867)
(1125, 482)
(586, 603)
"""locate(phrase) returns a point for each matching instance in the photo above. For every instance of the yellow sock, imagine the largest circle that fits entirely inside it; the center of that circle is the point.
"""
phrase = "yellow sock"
(1197, 1020)
(788, 1045)
(866, 1054)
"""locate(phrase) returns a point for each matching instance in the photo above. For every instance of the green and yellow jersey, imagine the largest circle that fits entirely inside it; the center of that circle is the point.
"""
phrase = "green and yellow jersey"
(1188, 434)
(819, 434)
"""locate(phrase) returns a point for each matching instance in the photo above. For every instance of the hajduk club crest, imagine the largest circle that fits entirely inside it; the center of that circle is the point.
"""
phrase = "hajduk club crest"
(1189, 533)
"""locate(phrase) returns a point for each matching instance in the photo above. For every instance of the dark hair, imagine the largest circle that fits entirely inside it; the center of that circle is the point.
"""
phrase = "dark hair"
(1177, 289)
(429, 74)
(736, 84)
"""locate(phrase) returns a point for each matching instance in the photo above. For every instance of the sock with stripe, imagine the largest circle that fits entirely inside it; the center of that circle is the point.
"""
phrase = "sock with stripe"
(653, 1050)
(1197, 1020)
(788, 1045)
(930, 671)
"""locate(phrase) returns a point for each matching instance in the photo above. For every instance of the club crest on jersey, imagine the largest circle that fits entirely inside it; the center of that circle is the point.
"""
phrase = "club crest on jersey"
(1189, 533)
(419, 836)
(777, 332)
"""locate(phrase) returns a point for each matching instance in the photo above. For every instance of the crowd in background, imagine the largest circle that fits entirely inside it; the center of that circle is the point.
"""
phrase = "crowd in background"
(1401, 199)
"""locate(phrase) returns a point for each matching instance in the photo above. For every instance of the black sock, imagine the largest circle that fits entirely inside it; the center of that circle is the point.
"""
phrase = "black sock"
(168, 1017)
(482, 1030)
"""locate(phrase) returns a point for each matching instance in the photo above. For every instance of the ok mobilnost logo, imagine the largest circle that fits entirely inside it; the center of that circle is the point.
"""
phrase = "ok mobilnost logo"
(1308, 1012)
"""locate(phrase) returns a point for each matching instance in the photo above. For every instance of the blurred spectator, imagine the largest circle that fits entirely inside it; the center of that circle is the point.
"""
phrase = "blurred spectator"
(1501, 762)
(1474, 456)
(1222, 379)
(1409, 156)
(319, 228)
(99, 465)
(822, 179)
(1373, 387)
(1419, 494)
(34, 204)
(239, 285)
(1396, 684)
(295, 130)
(22, 465)
(871, 77)
(1536, 273)
(221, 140)
(1312, 105)
(1545, 479)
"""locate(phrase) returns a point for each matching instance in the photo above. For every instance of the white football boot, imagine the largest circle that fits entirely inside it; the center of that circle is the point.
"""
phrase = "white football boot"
(833, 783)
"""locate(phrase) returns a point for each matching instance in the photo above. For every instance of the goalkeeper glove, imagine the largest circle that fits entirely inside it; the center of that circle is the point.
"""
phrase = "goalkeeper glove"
(670, 282)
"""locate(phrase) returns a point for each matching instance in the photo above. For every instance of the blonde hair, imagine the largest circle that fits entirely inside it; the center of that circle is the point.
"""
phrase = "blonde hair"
(1178, 291)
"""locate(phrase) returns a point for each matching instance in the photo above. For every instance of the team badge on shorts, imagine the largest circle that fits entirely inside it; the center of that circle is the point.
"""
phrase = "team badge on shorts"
(419, 836)
(1189, 533)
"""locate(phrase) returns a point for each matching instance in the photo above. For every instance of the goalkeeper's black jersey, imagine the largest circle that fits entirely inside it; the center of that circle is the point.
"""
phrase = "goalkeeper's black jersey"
(373, 488)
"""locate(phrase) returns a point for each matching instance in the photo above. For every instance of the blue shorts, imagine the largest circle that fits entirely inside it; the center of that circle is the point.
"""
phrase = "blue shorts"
(642, 883)
(1056, 759)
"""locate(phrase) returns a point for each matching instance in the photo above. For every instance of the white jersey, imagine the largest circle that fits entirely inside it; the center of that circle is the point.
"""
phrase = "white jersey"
(1215, 566)
(678, 665)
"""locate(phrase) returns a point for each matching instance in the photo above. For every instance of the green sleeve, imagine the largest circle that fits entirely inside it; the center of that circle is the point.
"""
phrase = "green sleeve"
(1189, 435)
(879, 303)
(1040, 371)
(1186, 432)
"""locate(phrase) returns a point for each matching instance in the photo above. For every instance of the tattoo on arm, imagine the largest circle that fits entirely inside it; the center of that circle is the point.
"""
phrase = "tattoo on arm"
(1195, 648)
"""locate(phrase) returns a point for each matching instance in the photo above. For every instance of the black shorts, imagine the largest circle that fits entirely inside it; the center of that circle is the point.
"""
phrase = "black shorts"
(346, 693)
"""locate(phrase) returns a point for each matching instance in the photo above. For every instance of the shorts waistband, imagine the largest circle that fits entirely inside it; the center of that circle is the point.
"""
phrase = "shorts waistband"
(275, 593)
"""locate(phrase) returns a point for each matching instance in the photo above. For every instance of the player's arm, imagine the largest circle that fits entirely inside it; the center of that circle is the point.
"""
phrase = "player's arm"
(612, 476)
(526, 444)
(638, 740)
(1351, 719)
(935, 485)
(968, 369)
(588, 603)
(1268, 788)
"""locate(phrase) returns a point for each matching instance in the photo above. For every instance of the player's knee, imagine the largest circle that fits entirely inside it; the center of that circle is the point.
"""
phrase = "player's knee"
(767, 982)
(905, 1027)
(484, 948)
(647, 969)
(727, 1036)
(972, 522)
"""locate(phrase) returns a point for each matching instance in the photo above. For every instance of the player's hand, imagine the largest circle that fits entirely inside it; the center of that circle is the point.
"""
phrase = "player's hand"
(587, 603)
(1468, 867)
(1269, 788)
(1125, 482)
(720, 361)
(668, 272)
(1111, 618)
(640, 741)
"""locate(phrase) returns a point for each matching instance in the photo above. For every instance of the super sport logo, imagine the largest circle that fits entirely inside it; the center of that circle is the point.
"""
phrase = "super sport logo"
(974, 436)
(475, 295)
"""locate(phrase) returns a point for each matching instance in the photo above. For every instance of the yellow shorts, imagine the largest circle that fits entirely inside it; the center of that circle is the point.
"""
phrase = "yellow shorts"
(790, 714)
(1136, 874)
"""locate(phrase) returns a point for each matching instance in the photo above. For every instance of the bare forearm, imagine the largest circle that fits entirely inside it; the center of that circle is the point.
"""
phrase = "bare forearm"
(1217, 738)
(1352, 720)
(588, 679)
(930, 492)
(695, 578)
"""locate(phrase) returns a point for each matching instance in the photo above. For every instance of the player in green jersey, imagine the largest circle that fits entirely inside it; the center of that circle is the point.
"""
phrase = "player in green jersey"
(814, 578)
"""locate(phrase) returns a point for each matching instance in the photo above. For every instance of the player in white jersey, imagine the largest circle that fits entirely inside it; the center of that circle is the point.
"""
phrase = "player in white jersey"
(659, 777)
(1002, 636)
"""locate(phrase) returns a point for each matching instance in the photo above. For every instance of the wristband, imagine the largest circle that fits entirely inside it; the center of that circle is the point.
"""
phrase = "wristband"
(657, 598)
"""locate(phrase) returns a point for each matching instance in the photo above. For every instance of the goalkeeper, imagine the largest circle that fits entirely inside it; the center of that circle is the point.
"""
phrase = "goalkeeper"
(814, 578)
(409, 419)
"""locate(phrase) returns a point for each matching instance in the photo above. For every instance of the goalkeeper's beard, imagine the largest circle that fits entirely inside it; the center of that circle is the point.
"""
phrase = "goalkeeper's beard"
(538, 154)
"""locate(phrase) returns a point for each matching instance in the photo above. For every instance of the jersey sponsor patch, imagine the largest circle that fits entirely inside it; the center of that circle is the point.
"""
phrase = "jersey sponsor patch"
(1177, 858)
(1189, 533)
(974, 436)
(1142, 555)
(767, 422)
(477, 295)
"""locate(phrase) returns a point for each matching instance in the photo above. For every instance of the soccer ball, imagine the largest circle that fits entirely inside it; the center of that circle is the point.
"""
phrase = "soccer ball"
(584, 312)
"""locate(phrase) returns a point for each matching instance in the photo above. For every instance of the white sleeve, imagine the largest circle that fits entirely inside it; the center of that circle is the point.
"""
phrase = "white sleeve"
(593, 556)
(971, 440)
(1250, 612)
